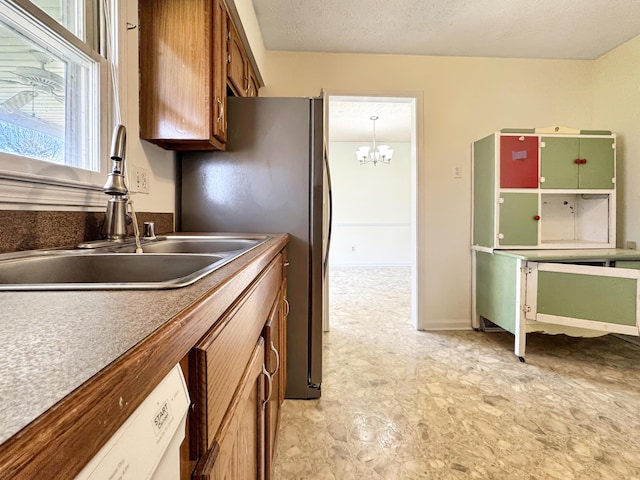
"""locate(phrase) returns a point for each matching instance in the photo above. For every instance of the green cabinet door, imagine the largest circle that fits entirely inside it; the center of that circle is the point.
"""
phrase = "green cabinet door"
(586, 163)
(598, 171)
(588, 294)
(518, 219)
(484, 191)
(558, 164)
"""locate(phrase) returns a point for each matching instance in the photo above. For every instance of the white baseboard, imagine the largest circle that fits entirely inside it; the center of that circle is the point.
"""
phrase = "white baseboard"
(443, 325)
(340, 265)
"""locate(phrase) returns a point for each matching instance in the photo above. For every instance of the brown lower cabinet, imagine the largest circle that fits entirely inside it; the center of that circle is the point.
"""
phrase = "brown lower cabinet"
(225, 339)
(234, 375)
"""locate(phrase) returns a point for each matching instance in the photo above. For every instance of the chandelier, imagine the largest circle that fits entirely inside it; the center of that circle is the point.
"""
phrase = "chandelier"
(375, 154)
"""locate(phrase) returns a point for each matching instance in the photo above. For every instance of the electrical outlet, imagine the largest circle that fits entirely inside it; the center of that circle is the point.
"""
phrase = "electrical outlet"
(353, 248)
(631, 245)
(457, 172)
(140, 179)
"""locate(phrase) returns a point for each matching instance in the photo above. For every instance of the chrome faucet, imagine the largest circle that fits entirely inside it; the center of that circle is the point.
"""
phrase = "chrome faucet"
(115, 223)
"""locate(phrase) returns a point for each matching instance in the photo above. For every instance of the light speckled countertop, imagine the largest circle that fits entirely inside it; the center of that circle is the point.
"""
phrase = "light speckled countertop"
(54, 341)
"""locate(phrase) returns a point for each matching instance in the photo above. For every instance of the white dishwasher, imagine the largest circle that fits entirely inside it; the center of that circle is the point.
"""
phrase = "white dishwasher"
(147, 445)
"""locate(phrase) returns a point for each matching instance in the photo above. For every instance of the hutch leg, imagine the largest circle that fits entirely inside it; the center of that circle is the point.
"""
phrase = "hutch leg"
(475, 316)
(520, 330)
(520, 343)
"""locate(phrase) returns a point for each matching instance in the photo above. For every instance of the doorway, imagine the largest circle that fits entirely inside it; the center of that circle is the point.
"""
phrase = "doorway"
(374, 198)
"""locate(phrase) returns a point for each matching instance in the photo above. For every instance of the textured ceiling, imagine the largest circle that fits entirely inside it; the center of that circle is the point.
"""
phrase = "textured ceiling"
(572, 29)
(350, 119)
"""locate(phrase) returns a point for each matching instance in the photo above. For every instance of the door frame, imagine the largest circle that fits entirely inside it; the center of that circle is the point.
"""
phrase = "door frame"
(418, 209)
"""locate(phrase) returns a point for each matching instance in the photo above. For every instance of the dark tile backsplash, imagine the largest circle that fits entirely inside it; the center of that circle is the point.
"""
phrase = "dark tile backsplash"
(29, 230)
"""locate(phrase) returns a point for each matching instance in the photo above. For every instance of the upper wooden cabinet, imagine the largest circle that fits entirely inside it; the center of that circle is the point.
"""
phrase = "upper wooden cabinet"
(241, 76)
(184, 55)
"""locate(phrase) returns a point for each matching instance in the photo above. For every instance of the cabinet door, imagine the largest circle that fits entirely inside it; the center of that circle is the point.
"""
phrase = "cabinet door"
(237, 74)
(519, 219)
(272, 362)
(250, 418)
(599, 298)
(182, 74)
(558, 165)
(238, 450)
(518, 162)
(586, 163)
(222, 355)
(219, 122)
(284, 312)
(226, 463)
(596, 169)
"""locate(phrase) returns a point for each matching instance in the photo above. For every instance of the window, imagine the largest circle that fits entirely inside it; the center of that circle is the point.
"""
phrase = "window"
(52, 93)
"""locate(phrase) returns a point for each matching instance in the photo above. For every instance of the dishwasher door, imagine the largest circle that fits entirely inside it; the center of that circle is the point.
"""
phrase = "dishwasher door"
(147, 445)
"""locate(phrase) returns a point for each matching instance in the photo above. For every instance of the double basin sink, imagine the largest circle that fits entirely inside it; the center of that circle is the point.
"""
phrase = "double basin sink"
(166, 262)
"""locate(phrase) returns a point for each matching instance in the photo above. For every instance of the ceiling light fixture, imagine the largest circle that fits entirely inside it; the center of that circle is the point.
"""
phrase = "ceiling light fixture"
(375, 154)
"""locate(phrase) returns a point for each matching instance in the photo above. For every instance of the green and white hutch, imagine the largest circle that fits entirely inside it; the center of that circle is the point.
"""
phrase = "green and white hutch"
(544, 236)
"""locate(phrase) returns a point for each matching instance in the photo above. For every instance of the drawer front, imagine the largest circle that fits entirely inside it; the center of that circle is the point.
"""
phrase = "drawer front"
(222, 356)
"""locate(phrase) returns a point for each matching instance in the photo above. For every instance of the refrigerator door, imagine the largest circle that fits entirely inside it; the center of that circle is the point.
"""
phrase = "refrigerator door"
(267, 182)
(318, 253)
(327, 219)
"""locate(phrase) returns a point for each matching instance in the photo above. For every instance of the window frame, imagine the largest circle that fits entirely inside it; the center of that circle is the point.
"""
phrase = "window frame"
(33, 184)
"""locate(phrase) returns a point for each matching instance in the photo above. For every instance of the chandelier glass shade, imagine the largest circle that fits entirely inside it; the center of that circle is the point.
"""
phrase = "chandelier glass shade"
(376, 153)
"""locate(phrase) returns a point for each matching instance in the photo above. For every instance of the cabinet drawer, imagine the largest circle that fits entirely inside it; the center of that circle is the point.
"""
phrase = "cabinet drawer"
(222, 356)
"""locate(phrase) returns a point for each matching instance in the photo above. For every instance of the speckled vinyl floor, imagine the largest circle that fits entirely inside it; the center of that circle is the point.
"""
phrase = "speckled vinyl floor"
(402, 404)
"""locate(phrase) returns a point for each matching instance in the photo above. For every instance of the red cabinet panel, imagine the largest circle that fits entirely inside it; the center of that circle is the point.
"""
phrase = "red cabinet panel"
(518, 162)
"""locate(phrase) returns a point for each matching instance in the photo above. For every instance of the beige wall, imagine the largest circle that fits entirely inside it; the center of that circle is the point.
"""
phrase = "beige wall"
(461, 99)
(617, 108)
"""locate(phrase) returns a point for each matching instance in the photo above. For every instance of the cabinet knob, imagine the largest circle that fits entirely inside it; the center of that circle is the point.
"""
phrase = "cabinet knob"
(536, 217)
(583, 161)
(577, 161)
(580, 161)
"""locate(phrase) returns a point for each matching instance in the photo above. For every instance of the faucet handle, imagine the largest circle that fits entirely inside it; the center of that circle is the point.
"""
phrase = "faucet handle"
(149, 230)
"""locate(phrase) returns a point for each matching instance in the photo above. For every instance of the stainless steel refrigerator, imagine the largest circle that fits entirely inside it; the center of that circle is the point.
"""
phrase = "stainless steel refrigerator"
(272, 178)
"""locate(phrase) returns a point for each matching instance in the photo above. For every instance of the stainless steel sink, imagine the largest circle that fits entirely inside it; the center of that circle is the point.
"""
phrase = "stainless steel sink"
(167, 262)
(96, 271)
(196, 244)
